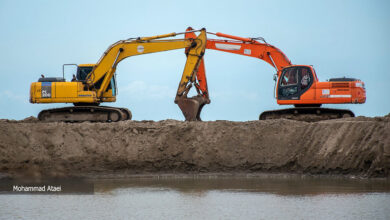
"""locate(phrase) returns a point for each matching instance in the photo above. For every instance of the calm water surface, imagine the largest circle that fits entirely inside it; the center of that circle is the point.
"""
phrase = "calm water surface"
(210, 198)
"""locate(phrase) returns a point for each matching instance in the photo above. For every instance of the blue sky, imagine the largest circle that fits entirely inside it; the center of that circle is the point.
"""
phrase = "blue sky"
(339, 38)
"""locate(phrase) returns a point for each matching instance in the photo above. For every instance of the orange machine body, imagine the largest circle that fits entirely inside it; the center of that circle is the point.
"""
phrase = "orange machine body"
(299, 85)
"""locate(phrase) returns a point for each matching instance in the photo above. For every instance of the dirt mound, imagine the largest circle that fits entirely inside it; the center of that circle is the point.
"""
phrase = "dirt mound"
(356, 146)
(30, 119)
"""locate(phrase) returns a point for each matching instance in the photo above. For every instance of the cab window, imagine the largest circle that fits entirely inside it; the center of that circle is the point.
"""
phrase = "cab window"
(305, 78)
(83, 72)
(289, 77)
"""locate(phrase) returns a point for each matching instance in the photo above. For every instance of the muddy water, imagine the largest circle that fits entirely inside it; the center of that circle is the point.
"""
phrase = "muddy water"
(211, 197)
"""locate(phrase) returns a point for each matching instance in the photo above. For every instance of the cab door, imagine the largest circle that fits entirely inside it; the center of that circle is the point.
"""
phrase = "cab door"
(294, 82)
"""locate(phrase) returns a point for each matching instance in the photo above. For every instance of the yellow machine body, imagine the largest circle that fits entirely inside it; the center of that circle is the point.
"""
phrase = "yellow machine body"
(67, 92)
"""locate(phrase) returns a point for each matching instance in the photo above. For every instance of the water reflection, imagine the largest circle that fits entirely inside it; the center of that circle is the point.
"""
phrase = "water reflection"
(291, 185)
(209, 197)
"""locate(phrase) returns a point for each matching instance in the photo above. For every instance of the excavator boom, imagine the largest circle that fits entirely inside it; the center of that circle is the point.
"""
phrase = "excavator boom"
(266, 52)
(247, 47)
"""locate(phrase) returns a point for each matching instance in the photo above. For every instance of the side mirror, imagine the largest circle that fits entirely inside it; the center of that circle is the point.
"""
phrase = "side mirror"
(275, 77)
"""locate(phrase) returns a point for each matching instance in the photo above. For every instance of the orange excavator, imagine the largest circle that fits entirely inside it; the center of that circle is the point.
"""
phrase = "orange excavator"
(296, 85)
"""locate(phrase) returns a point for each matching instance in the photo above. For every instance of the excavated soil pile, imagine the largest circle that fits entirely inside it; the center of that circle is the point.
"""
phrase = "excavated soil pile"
(356, 146)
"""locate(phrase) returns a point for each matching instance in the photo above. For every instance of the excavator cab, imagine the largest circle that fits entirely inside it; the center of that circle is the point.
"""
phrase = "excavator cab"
(83, 70)
(294, 81)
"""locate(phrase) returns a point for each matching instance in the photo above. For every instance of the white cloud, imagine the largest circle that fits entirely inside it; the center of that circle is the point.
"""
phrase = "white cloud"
(13, 96)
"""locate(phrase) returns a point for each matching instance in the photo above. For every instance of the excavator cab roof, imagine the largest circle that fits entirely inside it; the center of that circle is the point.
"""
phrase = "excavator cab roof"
(86, 65)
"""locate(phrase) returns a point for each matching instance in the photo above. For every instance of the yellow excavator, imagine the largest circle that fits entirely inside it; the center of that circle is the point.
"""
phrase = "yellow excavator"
(94, 84)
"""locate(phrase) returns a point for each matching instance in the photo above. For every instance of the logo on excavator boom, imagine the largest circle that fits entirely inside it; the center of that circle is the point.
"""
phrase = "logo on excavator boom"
(227, 47)
(140, 49)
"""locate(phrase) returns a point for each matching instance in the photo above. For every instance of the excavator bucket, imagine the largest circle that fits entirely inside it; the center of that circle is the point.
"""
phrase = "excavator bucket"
(192, 107)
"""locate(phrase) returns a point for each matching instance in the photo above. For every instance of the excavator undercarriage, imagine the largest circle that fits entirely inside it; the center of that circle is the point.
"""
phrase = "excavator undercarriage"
(85, 113)
(308, 114)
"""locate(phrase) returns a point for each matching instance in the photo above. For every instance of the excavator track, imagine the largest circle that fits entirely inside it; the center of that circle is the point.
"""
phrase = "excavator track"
(85, 113)
(308, 114)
